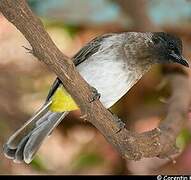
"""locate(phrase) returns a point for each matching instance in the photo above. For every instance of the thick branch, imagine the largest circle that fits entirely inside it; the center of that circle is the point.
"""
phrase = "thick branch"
(131, 145)
(177, 112)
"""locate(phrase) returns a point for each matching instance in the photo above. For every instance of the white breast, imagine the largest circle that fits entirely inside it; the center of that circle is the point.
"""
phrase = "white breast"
(107, 72)
(108, 76)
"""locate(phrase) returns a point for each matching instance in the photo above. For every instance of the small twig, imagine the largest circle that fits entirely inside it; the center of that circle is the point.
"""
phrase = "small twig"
(28, 50)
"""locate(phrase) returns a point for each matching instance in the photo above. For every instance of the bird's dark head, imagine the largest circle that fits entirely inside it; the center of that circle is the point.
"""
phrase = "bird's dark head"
(168, 48)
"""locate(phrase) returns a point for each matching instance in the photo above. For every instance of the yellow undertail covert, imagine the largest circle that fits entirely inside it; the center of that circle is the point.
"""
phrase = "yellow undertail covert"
(62, 101)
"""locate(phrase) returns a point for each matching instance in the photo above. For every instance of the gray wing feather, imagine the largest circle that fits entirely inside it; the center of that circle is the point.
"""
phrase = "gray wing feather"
(89, 49)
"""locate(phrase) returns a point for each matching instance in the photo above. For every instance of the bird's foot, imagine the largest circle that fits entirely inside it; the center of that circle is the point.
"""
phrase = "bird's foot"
(84, 117)
(118, 121)
(95, 95)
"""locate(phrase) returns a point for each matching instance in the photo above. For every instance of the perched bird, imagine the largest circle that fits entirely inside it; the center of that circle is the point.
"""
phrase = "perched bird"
(111, 64)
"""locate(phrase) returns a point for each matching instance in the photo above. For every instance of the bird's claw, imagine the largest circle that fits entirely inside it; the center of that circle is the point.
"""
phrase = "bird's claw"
(120, 123)
(95, 95)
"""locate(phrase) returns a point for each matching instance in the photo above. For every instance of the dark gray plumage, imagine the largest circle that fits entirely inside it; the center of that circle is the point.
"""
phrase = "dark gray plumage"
(112, 64)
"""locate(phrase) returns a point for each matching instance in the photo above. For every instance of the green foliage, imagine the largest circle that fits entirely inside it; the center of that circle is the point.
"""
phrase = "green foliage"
(37, 164)
(89, 159)
(183, 138)
(3, 128)
(32, 3)
(70, 29)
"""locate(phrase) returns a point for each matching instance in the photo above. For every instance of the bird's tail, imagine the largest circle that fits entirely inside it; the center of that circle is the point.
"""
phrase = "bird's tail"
(25, 142)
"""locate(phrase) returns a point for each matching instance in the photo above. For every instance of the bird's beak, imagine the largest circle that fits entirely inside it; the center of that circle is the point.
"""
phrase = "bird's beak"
(179, 59)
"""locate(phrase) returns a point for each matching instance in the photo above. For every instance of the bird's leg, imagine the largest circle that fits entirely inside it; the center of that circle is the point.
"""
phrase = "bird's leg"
(53, 88)
(95, 95)
(120, 123)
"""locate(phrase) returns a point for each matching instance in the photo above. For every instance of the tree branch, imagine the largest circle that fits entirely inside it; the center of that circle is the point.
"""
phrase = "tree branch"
(131, 145)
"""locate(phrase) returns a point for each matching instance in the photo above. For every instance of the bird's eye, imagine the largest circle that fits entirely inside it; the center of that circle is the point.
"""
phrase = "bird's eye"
(170, 45)
(156, 40)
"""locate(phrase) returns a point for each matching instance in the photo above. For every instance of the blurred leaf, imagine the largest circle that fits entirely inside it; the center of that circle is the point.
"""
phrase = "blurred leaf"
(3, 128)
(70, 29)
(88, 160)
(32, 3)
(183, 138)
(38, 164)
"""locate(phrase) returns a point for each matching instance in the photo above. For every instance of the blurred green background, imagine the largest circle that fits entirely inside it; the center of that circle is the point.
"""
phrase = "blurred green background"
(76, 147)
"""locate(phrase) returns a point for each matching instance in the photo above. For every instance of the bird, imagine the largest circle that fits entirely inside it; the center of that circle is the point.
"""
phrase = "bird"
(111, 64)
